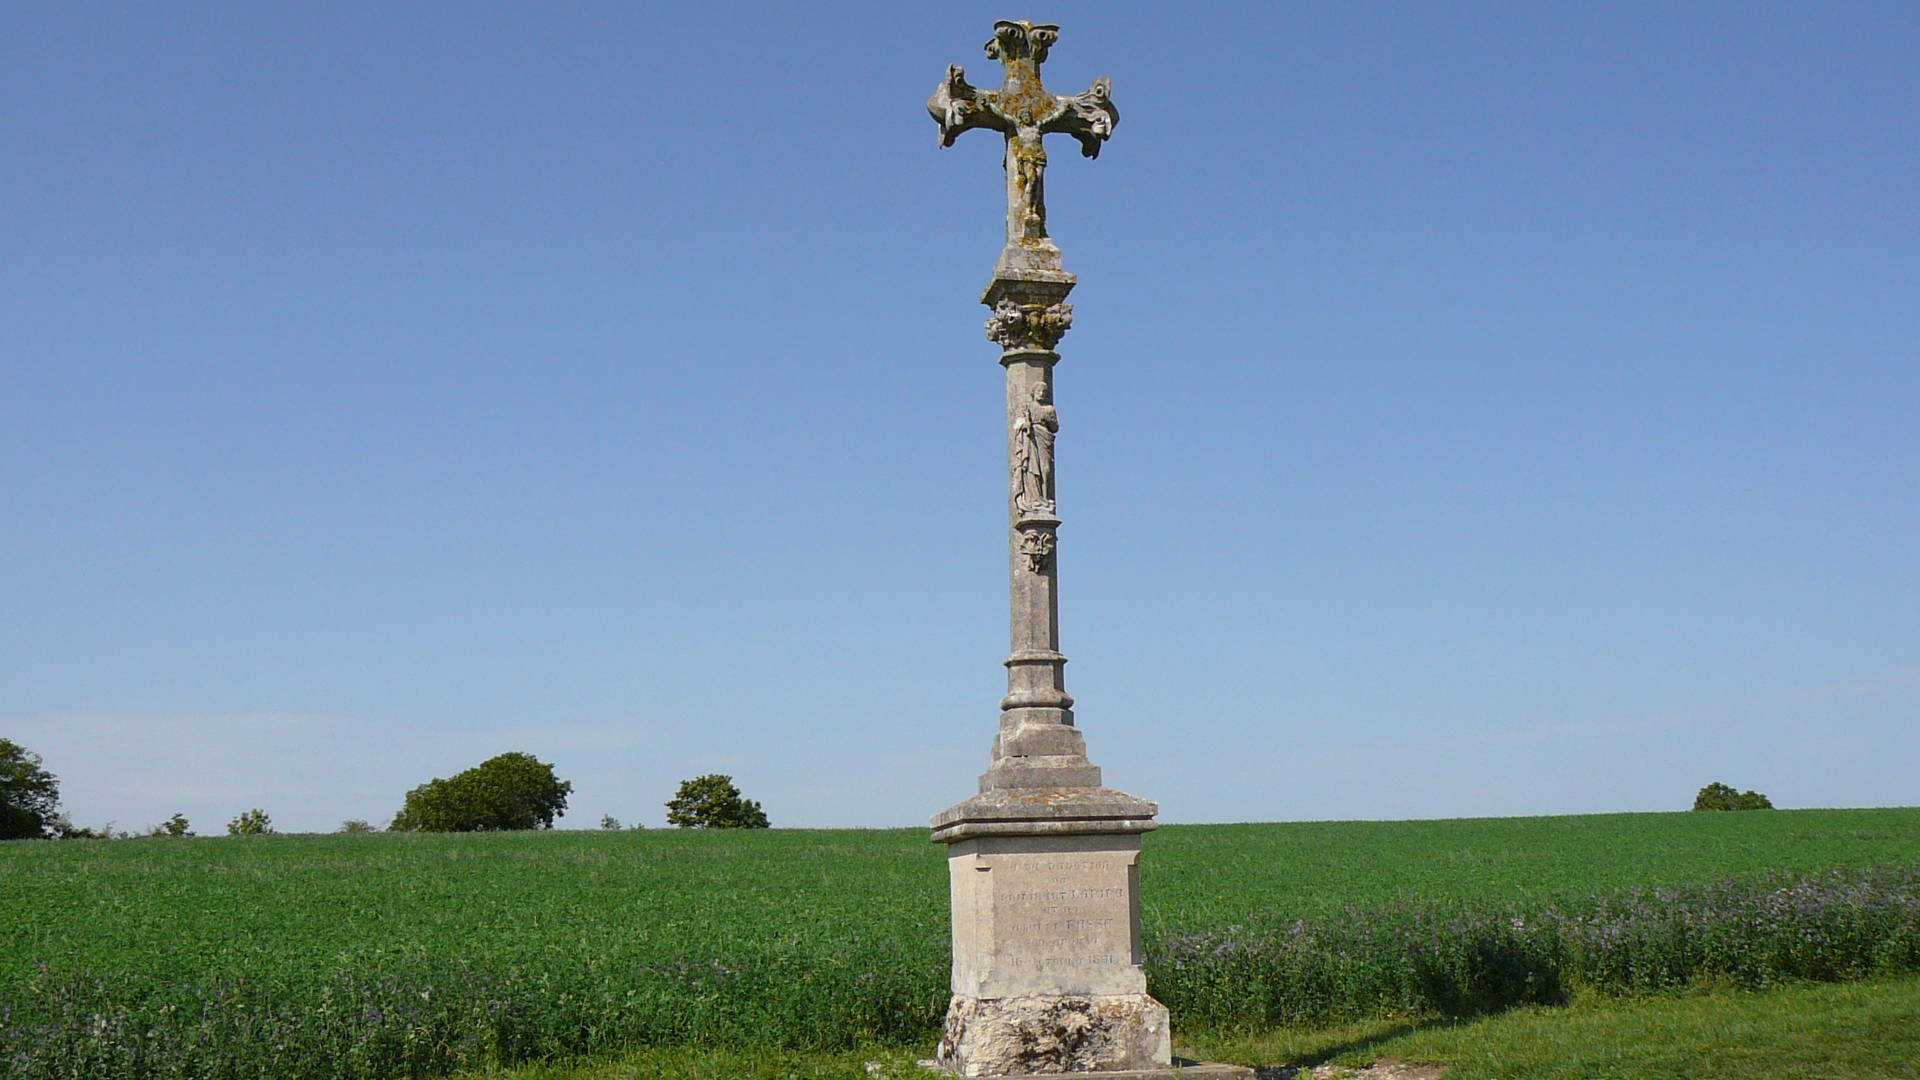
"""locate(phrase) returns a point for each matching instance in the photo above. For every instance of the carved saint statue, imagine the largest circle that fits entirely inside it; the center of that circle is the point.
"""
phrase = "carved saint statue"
(1034, 429)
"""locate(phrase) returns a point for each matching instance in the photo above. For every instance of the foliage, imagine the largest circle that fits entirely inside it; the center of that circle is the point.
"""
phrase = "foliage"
(1718, 796)
(175, 826)
(508, 792)
(61, 827)
(254, 822)
(609, 822)
(407, 955)
(355, 827)
(712, 802)
(29, 794)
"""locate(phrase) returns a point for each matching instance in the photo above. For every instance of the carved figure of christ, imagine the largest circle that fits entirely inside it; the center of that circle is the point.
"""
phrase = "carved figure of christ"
(1024, 112)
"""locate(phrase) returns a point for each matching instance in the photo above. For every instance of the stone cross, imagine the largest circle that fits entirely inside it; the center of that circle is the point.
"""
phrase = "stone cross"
(1038, 745)
(1023, 111)
(1043, 862)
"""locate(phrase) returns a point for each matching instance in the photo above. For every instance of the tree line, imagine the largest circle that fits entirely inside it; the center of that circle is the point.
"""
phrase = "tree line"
(508, 792)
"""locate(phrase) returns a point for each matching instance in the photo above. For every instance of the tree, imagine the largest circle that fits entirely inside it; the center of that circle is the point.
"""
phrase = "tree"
(512, 791)
(1718, 796)
(354, 827)
(712, 802)
(609, 822)
(29, 794)
(254, 822)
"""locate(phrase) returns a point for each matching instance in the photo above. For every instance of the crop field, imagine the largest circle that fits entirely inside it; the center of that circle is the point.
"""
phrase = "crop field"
(397, 955)
(1201, 875)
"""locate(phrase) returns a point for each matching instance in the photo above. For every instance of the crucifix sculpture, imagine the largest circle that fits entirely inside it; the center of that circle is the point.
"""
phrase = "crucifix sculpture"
(1023, 111)
(1043, 862)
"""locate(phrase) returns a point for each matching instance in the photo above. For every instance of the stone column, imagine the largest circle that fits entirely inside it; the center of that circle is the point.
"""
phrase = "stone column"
(1037, 746)
(1047, 972)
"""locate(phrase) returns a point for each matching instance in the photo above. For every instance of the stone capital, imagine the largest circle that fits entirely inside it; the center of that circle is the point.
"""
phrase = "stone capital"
(1045, 812)
(1027, 286)
(1030, 313)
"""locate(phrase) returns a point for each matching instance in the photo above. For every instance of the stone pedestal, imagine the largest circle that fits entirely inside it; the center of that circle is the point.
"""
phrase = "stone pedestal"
(1047, 974)
(1046, 958)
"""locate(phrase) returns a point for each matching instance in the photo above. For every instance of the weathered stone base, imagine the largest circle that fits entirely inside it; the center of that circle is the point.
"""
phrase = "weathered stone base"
(1045, 1034)
(1182, 1069)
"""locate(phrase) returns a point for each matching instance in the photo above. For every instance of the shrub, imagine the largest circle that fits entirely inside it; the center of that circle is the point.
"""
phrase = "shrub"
(1718, 796)
(712, 802)
(254, 822)
(29, 795)
(177, 825)
(511, 791)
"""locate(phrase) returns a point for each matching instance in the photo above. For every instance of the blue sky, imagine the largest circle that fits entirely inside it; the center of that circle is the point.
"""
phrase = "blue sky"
(1471, 409)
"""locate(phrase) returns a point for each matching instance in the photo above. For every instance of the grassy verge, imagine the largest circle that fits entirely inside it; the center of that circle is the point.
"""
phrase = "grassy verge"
(1857, 1031)
(1861, 1031)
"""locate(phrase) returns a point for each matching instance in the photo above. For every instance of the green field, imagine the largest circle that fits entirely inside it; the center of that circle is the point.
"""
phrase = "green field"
(299, 905)
(1197, 875)
(585, 941)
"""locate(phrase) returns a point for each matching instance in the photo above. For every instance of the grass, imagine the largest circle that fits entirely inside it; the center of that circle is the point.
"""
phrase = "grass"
(477, 949)
(1861, 1031)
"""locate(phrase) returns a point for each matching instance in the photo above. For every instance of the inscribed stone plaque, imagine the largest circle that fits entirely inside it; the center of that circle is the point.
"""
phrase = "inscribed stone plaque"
(1046, 915)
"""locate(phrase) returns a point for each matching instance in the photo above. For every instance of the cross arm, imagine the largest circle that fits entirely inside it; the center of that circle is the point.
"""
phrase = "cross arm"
(958, 106)
(1089, 117)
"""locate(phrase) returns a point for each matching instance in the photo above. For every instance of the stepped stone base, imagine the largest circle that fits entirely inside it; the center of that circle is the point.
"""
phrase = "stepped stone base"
(1050, 1034)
